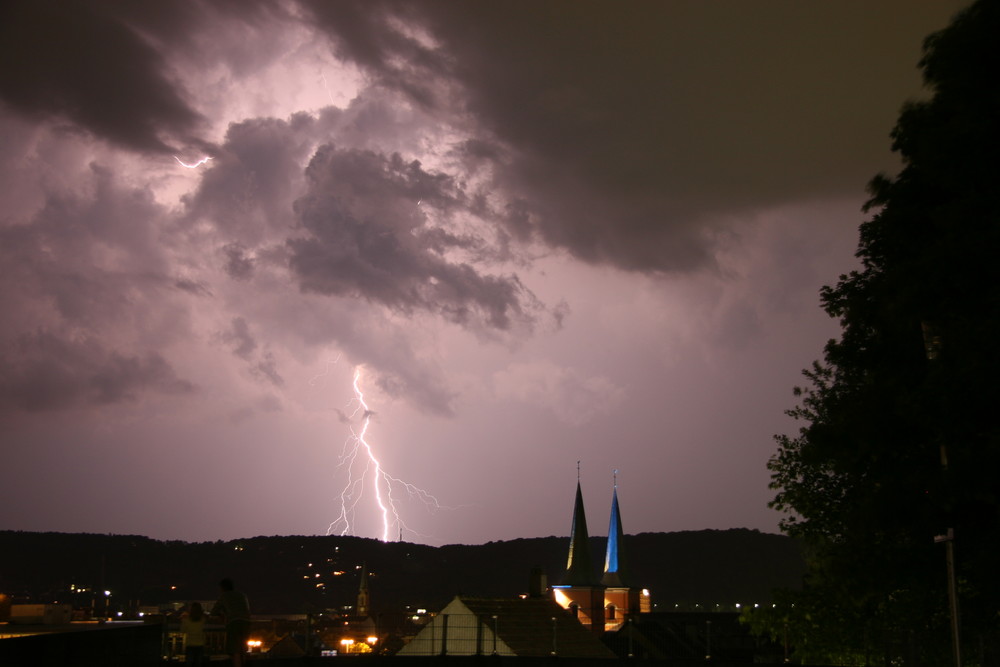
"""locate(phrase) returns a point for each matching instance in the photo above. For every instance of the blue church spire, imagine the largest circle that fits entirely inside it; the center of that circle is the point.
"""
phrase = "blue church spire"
(613, 572)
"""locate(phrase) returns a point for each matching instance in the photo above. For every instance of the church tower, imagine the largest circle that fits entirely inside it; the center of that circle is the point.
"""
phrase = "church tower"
(363, 599)
(614, 577)
(579, 570)
(579, 591)
(620, 599)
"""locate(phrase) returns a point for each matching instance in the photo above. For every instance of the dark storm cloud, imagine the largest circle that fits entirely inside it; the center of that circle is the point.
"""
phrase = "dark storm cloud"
(421, 386)
(360, 223)
(369, 237)
(88, 299)
(239, 339)
(267, 370)
(81, 62)
(366, 36)
(263, 366)
(368, 218)
(624, 128)
(195, 287)
(238, 266)
(81, 254)
(248, 188)
(41, 371)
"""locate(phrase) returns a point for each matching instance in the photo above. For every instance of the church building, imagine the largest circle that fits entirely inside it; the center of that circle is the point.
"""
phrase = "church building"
(601, 605)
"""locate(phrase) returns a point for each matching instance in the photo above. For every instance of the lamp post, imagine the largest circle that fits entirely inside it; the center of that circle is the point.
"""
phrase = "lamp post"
(932, 347)
(949, 553)
(708, 640)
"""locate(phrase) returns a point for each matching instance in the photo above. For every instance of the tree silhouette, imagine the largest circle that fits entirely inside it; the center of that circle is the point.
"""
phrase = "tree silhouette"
(900, 441)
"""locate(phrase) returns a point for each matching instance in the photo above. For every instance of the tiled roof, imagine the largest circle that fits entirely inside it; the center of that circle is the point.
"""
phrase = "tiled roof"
(527, 627)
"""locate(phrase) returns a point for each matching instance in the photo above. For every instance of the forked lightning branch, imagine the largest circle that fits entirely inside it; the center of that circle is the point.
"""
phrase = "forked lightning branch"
(368, 481)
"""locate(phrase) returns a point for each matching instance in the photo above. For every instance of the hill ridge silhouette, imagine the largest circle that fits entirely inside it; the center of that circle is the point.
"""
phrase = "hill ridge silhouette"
(279, 572)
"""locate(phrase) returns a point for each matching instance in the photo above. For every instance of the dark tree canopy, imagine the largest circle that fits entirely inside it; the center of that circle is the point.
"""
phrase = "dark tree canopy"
(900, 430)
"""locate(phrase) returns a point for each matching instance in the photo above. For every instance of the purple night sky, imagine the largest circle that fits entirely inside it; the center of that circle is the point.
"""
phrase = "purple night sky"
(544, 231)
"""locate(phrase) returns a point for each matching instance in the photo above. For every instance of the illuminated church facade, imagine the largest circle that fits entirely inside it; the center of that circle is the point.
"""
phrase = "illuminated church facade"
(601, 605)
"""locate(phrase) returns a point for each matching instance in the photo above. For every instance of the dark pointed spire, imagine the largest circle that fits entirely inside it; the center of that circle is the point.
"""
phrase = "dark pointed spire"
(613, 572)
(579, 571)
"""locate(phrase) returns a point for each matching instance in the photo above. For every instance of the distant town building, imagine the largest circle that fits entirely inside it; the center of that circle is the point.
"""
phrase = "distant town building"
(41, 614)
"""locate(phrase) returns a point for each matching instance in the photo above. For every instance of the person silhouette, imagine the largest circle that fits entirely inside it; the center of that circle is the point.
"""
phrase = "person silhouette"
(234, 608)
(193, 627)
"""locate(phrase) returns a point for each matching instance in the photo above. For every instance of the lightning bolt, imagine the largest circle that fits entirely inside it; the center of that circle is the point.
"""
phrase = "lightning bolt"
(359, 459)
(192, 166)
(327, 86)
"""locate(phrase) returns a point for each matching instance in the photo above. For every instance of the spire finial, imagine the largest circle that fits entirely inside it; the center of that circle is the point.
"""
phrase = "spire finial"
(578, 472)
(616, 477)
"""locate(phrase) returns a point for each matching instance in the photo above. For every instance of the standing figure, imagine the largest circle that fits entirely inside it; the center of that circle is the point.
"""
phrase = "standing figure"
(235, 610)
(193, 627)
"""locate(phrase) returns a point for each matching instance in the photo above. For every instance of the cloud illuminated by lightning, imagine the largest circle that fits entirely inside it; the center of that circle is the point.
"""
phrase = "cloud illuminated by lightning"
(359, 460)
(192, 166)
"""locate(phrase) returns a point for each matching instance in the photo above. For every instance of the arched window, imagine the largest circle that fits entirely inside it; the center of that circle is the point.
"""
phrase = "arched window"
(610, 612)
(574, 609)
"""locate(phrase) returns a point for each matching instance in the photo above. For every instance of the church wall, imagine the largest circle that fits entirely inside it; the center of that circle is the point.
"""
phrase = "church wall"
(588, 603)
